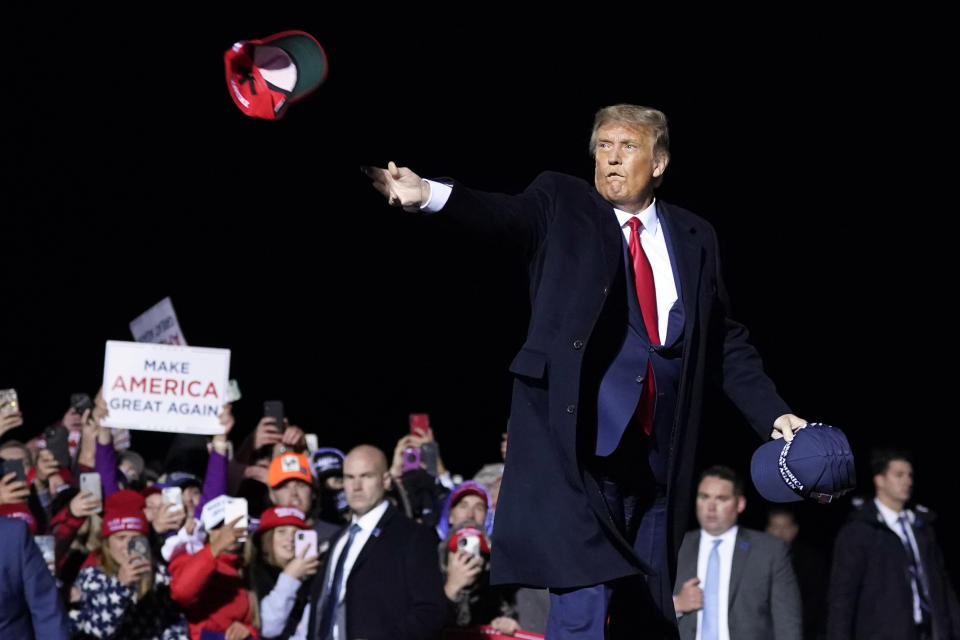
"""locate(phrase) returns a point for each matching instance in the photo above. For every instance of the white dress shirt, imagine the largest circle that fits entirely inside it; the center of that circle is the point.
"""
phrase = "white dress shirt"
(652, 240)
(891, 518)
(725, 550)
(368, 523)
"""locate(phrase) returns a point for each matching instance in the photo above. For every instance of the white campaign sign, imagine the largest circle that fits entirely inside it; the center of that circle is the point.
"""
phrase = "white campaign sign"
(160, 387)
(158, 324)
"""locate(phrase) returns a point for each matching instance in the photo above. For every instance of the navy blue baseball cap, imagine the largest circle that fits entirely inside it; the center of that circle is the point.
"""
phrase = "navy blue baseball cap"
(327, 461)
(817, 464)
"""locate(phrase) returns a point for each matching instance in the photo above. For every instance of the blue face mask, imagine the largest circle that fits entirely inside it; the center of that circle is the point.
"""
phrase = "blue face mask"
(341, 498)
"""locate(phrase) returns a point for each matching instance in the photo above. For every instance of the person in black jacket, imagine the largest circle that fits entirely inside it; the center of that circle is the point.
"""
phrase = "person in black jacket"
(382, 579)
(888, 579)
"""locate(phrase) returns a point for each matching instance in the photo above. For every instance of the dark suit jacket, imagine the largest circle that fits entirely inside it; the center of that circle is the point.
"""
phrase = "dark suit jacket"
(764, 600)
(395, 588)
(552, 528)
(29, 606)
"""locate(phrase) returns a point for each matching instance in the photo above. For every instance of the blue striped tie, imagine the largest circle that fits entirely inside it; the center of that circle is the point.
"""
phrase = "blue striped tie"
(711, 594)
(915, 572)
(330, 604)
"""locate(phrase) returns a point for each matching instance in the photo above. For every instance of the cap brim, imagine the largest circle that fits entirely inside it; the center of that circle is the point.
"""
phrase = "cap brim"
(765, 472)
(307, 55)
(290, 476)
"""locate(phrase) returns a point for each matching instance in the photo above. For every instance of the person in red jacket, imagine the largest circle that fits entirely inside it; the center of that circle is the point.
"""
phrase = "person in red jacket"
(210, 585)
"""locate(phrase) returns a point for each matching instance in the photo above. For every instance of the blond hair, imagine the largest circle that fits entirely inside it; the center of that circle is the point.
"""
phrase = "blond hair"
(637, 116)
(110, 565)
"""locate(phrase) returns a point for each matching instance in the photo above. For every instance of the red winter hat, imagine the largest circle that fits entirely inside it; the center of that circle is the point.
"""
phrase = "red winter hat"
(279, 516)
(20, 511)
(123, 511)
(265, 76)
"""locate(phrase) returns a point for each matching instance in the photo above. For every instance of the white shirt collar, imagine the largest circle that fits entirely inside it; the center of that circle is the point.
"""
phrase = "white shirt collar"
(890, 516)
(648, 218)
(730, 535)
(368, 521)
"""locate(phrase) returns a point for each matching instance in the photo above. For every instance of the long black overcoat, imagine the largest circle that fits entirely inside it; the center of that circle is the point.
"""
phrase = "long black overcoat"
(551, 527)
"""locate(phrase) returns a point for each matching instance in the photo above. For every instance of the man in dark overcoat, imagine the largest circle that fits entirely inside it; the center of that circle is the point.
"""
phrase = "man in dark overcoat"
(629, 320)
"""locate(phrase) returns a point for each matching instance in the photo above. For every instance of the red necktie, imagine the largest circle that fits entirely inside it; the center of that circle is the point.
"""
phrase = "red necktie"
(647, 297)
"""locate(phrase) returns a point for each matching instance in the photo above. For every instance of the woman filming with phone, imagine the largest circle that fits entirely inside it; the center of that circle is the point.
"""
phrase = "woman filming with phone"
(284, 566)
(212, 584)
(123, 593)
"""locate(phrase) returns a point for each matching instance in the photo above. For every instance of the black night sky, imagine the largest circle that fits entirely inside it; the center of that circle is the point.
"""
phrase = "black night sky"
(818, 146)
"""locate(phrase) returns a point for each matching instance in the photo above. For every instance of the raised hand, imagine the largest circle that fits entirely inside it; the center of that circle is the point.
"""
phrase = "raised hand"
(267, 432)
(84, 505)
(133, 569)
(226, 537)
(399, 185)
(169, 518)
(13, 490)
(10, 420)
(301, 566)
(462, 570)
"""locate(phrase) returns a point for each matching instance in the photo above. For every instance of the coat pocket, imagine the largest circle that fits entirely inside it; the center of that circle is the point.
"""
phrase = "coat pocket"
(529, 364)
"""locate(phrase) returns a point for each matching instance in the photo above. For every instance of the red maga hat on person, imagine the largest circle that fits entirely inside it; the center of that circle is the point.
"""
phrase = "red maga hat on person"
(280, 516)
(266, 76)
(123, 511)
(466, 489)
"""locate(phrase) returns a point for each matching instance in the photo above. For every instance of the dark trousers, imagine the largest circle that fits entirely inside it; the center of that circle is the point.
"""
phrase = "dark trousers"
(636, 607)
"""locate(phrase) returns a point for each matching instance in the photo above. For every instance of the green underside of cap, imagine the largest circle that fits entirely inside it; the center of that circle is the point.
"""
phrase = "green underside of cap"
(307, 55)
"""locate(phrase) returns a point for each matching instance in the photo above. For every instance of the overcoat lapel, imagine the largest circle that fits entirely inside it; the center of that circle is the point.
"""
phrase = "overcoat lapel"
(687, 259)
(611, 237)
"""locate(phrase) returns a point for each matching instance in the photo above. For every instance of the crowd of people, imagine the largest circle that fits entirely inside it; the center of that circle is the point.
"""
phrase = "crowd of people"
(362, 545)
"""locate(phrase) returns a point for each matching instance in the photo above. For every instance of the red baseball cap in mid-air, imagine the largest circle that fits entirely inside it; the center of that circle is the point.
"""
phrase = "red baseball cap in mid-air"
(265, 76)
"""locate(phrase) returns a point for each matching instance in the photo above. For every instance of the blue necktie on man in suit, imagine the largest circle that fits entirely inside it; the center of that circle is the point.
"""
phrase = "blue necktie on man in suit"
(330, 603)
(915, 571)
(711, 594)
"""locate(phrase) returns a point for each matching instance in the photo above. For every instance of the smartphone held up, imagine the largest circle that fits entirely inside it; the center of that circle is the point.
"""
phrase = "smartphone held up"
(305, 539)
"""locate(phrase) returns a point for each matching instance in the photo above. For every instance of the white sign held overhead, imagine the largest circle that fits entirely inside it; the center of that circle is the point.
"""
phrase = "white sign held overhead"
(158, 324)
(158, 387)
